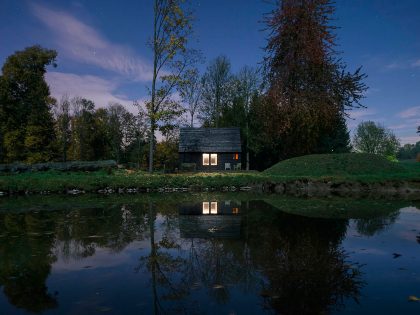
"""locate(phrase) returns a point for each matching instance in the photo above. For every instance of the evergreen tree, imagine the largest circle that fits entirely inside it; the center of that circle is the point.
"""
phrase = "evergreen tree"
(338, 141)
(26, 121)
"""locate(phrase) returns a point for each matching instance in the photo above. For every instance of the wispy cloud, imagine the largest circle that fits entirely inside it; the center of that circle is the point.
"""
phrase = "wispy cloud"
(399, 127)
(361, 113)
(100, 91)
(416, 63)
(81, 42)
(412, 112)
(409, 139)
(394, 66)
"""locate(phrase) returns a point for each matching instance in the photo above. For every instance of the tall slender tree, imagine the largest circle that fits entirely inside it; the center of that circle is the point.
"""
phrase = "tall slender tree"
(190, 90)
(62, 120)
(216, 91)
(248, 83)
(171, 29)
(83, 129)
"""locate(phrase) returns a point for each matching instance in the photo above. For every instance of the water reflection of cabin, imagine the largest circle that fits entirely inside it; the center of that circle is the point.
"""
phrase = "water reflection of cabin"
(210, 149)
(210, 219)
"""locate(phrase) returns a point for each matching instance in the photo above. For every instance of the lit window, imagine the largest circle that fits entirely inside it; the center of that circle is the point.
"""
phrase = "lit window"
(235, 210)
(213, 159)
(213, 207)
(206, 207)
(236, 156)
(206, 159)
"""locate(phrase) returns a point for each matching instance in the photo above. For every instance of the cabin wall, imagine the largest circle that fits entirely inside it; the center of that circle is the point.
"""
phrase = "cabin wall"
(197, 158)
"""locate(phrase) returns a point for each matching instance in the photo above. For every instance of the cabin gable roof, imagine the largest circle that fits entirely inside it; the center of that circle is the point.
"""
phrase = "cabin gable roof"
(215, 140)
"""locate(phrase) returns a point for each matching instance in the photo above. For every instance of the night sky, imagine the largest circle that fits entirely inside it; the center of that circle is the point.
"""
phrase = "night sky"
(103, 53)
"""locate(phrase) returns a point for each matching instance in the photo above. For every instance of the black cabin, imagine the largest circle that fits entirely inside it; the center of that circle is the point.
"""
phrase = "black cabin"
(210, 149)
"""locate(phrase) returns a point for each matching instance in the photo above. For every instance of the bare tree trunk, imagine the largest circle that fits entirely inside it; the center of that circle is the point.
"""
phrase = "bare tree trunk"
(153, 255)
(152, 105)
(247, 146)
(151, 147)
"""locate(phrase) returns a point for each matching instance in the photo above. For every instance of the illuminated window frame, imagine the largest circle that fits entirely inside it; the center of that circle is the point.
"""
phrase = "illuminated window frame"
(206, 207)
(206, 159)
(213, 207)
(213, 159)
(210, 207)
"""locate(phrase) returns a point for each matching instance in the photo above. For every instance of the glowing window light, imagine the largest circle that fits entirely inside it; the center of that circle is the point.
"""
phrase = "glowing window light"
(206, 207)
(206, 159)
(213, 207)
(213, 159)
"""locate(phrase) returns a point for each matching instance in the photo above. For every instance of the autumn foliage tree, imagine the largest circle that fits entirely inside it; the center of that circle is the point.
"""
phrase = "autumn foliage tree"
(309, 88)
(171, 58)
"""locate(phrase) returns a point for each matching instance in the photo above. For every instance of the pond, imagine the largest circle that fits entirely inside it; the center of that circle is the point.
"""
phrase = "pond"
(208, 254)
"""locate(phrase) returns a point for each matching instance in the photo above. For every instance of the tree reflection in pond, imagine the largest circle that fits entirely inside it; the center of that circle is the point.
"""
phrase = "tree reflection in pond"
(33, 241)
(25, 261)
(289, 264)
(295, 263)
(306, 270)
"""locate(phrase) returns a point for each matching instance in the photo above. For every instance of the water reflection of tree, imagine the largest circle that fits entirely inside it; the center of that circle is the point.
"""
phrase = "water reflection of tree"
(306, 270)
(179, 266)
(373, 225)
(217, 265)
(298, 260)
(164, 265)
(25, 260)
(80, 232)
(32, 241)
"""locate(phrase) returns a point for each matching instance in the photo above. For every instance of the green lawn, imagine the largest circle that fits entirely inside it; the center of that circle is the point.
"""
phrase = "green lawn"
(326, 167)
(92, 181)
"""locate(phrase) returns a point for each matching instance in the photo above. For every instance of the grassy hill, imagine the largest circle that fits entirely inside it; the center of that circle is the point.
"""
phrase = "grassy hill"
(342, 165)
(364, 168)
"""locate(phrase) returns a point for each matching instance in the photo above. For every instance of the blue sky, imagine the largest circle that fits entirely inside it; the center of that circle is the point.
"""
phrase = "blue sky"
(103, 52)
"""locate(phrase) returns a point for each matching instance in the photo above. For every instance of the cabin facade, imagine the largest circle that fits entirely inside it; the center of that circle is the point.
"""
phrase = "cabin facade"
(210, 219)
(210, 149)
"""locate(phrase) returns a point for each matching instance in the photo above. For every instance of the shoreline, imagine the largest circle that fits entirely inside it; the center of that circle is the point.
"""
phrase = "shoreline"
(405, 189)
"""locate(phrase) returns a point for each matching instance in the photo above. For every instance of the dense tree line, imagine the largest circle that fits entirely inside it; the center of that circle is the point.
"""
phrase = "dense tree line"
(34, 127)
(295, 104)
(86, 133)
(409, 151)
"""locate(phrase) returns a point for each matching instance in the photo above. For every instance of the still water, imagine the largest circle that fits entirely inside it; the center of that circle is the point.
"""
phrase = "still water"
(208, 254)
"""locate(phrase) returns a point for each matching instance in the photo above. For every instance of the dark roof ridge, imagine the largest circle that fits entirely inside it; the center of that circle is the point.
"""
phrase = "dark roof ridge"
(225, 139)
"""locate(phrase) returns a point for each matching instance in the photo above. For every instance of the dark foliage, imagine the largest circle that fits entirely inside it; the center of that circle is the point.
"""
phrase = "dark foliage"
(309, 88)
(26, 122)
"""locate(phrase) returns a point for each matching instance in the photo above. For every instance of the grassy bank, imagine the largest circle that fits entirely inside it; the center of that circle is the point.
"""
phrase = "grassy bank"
(324, 168)
(350, 166)
(93, 181)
